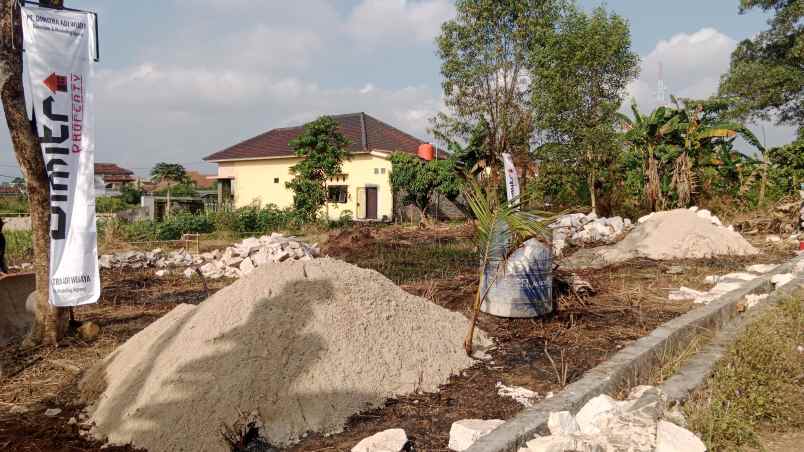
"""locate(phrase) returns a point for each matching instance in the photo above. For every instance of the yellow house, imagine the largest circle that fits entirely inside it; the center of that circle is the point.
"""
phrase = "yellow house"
(254, 172)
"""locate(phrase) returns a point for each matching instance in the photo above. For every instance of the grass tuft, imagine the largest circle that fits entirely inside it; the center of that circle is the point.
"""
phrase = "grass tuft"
(19, 246)
(758, 385)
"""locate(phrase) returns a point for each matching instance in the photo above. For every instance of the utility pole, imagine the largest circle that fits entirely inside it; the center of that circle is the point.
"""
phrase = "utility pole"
(50, 323)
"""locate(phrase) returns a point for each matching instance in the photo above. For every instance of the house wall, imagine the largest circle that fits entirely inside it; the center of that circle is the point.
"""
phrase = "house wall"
(254, 184)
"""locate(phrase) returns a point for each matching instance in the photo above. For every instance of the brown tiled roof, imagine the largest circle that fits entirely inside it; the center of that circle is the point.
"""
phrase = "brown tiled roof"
(118, 178)
(8, 190)
(200, 180)
(365, 133)
(104, 169)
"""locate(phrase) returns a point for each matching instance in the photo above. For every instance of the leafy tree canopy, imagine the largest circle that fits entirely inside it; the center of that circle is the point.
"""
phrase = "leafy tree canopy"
(766, 77)
(579, 79)
(169, 172)
(418, 179)
(484, 54)
(323, 150)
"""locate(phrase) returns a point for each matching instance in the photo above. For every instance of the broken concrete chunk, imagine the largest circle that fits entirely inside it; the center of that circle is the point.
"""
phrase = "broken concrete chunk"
(524, 396)
(247, 266)
(594, 410)
(188, 272)
(464, 433)
(562, 423)
(564, 443)
(105, 261)
(392, 440)
(52, 412)
(672, 438)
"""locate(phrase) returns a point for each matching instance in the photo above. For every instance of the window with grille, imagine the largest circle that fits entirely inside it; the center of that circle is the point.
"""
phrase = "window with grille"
(337, 193)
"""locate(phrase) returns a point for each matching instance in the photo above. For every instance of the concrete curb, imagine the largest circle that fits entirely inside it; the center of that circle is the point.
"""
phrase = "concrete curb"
(694, 373)
(628, 367)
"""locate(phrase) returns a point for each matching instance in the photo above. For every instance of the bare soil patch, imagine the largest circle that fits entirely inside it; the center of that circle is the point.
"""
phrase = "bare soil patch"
(438, 264)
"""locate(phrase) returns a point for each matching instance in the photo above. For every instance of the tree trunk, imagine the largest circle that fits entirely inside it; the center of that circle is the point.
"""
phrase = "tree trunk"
(51, 323)
(764, 182)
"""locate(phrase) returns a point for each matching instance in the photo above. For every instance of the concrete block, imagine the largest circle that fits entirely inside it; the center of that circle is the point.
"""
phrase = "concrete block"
(589, 416)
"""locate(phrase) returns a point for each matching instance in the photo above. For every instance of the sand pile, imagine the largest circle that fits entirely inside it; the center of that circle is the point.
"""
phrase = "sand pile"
(672, 234)
(304, 344)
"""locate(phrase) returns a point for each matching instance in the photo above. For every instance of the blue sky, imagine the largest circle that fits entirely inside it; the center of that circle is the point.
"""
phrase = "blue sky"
(181, 79)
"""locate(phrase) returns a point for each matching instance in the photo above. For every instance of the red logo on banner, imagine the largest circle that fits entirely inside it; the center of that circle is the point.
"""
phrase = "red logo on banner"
(56, 82)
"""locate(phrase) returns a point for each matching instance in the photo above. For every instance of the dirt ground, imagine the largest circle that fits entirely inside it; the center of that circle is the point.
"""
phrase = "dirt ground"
(439, 264)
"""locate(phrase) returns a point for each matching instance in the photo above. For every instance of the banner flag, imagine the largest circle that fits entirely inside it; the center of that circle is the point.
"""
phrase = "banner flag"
(59, 50)
(511, 178)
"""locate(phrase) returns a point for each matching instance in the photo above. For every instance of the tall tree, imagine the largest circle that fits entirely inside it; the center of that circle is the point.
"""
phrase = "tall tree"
(170, 174)
(50, 323)
(484, 54)
(766, 77)
(579, 79)
(323, 150)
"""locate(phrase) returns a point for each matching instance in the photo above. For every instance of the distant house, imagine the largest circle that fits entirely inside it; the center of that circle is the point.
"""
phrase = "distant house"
(254, 172)
(12, 191)
(202, 181)
(114, 177)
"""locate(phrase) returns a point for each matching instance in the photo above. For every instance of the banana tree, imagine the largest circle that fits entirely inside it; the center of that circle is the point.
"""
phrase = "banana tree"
(647, 134)
(673, 141)
(701, 133)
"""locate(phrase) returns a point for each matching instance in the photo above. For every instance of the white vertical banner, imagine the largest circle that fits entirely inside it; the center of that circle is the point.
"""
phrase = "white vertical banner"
(59, 51)
(511, 178)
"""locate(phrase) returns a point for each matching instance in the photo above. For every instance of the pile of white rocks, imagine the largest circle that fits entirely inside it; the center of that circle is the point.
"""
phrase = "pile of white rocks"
(233, 262)
(146, 259)
(242, 258)
(641, 423)
(583, 229)
(723, 284)
(702, 213)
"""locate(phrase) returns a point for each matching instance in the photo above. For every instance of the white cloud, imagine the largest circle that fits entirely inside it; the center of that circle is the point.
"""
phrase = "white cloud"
(692, 64)
(388, 22)
(367, 89)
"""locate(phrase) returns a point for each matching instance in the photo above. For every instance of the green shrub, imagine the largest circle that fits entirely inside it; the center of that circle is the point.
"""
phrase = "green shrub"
(110, 204)
(268, 219)
(345, 220)
(14, 205)
(185, 223)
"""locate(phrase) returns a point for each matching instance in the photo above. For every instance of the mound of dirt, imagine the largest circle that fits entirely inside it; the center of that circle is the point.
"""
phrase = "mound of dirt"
(304, 345)
(672, 234)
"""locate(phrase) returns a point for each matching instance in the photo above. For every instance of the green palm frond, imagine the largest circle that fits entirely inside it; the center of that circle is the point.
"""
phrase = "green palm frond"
(494, 219)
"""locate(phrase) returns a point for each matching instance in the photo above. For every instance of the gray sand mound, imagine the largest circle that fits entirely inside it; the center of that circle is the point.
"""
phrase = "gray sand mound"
(672, 234)
(304, 344)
